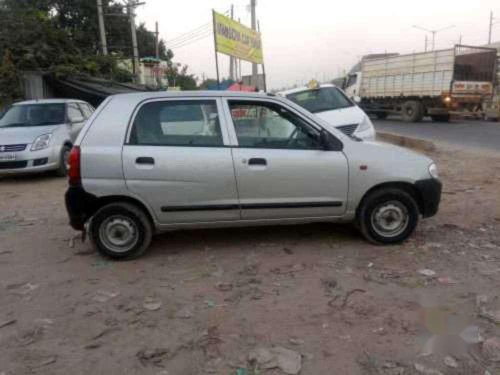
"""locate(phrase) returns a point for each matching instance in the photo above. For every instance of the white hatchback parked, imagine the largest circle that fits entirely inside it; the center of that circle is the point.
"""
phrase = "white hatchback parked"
(331, 104)
(152, 162)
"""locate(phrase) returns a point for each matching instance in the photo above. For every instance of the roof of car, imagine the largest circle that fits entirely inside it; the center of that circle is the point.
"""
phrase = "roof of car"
(50, 101)
(192, 94)
(302, 89)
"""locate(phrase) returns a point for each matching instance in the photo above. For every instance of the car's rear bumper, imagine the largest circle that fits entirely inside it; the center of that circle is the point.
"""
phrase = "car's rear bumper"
(430, 193)
(79, 204)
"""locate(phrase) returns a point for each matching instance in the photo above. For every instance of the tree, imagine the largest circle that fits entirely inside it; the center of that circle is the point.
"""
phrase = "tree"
(177, 76)
(9, 82)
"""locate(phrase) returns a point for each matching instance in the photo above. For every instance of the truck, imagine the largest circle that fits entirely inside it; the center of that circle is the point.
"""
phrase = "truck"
(436, 83)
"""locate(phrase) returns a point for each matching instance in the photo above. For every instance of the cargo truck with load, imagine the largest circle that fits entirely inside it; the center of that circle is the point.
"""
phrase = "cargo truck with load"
(435, 84)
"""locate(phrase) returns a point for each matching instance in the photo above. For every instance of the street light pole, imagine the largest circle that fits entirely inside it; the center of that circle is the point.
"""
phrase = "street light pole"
(433, 32)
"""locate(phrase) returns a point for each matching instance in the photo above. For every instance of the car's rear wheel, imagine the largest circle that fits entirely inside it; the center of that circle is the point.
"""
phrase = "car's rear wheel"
(62, 170)
(388, 216)
(121, 231)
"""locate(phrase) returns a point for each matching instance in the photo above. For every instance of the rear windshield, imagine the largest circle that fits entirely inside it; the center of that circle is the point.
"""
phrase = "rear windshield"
(321, 100)
(33, 115)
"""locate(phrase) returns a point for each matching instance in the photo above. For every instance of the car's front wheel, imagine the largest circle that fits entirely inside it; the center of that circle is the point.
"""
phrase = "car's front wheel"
(388, 216)
(121, 231)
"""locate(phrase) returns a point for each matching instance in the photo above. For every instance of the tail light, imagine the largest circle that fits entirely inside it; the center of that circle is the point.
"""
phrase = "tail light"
(74, 175)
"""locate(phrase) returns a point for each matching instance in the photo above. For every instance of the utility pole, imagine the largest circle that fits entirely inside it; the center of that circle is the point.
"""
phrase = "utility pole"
(491, 27)
(255, 70)
(157, 41)
(426, 42)
(102, 29)
(232, 60)
(131, 5)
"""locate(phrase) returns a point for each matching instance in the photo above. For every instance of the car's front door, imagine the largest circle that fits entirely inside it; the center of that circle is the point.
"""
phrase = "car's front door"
(177, 161)
(282, 170)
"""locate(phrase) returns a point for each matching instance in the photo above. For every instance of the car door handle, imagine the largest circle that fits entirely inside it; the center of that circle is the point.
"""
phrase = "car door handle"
(145, 160)
(257, 161)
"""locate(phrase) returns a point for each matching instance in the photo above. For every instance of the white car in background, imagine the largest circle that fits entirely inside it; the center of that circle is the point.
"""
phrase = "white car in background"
(331, 104)
(37, 135)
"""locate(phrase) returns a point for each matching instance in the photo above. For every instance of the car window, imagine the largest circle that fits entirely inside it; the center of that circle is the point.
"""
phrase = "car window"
(268, 125)
(321, 100)
(74, 111)
(178, 123)
(33, 115)
(87, 112)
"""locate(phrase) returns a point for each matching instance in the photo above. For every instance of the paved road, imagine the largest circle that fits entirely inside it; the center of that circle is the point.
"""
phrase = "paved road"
(470, 134)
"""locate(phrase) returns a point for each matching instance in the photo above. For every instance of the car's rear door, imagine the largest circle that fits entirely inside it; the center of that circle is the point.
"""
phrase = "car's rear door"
(177, 161)
(282, 171)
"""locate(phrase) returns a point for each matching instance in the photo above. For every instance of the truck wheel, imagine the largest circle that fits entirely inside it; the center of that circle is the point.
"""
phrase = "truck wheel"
(121, 231)
(441, 118)
(388, 216)
(412, 111)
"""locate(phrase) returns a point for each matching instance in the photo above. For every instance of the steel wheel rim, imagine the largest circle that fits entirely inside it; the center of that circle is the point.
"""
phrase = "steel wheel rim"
(119, 234)
(390, 219)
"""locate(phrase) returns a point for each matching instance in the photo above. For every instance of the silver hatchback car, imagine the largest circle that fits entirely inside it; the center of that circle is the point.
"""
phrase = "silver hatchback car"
(152, 162)
(37, 135)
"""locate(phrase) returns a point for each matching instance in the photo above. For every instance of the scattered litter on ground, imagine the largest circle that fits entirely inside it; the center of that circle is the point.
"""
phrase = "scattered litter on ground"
(447, 281)
(152, 304)
(429, 347)
(103, 296)
(427, 272)
(472, 335)
(295, 341)
(422, 369)
(288, 361)
(450, 362)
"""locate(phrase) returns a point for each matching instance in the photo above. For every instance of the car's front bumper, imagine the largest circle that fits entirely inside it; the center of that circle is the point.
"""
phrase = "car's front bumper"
(32, 161)
(366, 135)
(430, 194)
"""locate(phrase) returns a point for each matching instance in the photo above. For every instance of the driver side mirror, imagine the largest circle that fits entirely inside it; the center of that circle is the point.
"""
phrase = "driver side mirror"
(329, 142)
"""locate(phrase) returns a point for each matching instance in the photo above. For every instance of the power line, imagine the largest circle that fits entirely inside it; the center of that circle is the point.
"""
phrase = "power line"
(187, 43)
(192, 35)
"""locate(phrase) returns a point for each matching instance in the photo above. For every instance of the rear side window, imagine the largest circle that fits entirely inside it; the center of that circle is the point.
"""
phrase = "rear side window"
(177, 123)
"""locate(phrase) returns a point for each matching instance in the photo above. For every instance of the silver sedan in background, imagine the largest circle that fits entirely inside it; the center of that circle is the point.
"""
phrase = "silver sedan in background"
(37, 136)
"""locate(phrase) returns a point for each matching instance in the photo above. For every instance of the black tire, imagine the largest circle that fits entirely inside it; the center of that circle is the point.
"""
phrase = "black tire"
(440, 118)
(381, 115)
(412, 111)
(396, 202)
(118, 219)
(62, 170)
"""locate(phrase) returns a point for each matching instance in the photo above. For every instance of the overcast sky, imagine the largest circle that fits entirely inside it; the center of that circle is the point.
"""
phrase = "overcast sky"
(318, 38)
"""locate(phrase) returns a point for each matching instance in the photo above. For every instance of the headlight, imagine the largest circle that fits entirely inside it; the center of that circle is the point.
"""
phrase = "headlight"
(42, 142)
(366, 124)
(433, 171)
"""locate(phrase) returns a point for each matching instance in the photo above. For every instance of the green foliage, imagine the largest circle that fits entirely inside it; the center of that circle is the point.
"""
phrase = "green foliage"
(9, 82)
(177, 76)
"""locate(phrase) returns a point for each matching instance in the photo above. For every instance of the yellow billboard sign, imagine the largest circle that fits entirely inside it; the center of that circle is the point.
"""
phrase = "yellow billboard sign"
(234, 39)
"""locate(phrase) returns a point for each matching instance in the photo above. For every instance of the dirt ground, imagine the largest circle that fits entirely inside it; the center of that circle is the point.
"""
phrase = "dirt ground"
(200, 301)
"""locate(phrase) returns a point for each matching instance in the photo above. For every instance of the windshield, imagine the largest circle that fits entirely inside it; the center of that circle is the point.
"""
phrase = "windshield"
(321, 100)
(33, 115)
